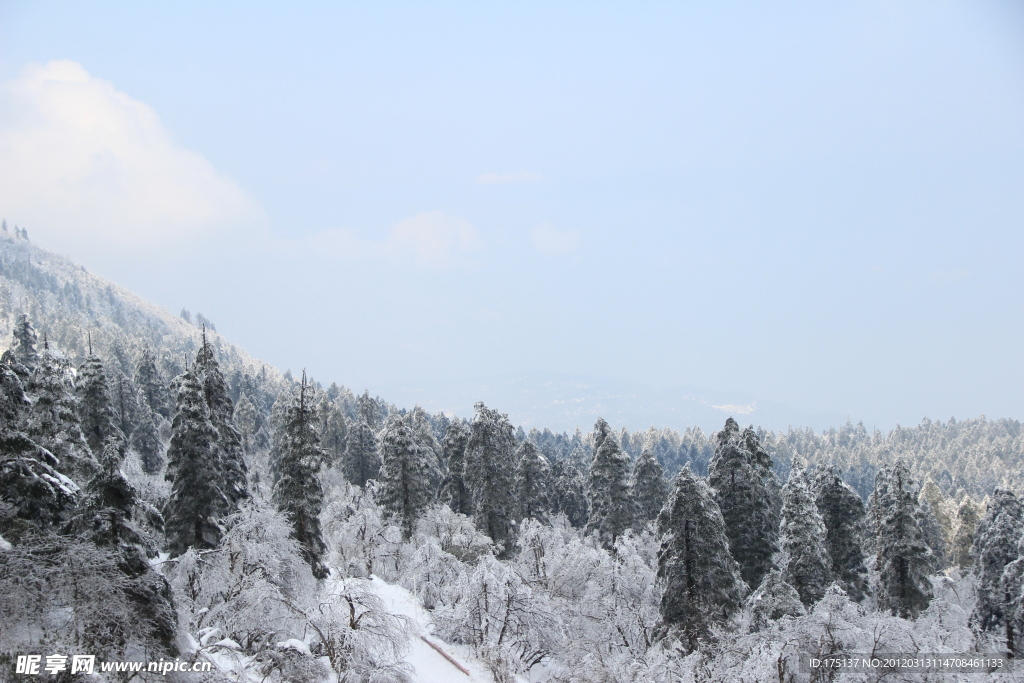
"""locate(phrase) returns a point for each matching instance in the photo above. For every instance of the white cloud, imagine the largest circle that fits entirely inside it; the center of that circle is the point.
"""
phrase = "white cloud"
(549, 241)
(737, 410)
(83, 162)
(491, 178)
(431, 240)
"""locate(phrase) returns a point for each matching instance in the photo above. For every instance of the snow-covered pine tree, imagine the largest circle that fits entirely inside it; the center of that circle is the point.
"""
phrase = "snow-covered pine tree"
(702, 580)
(246, 420)
(741, 475)
(945, 514)
(34, 495)
(197, 499)
(569, 493)
(24, 342)
(490, 475)
(423, 434)
(648, 486)
(931, 532)
(405, 488)
(152, 386)
(109, 517)
(229, 440)
(1011, 586)
(842, 511)
(968, 514)
(533, 483)
(55, 423)
(612, 510)
(125, 401)
(904, 559)
(807, 565)
(98, 419)
(335, 431)
(362, 454)
(145, 441)
(995, 546)
(297, 489)
(454, 491)
(773, 599)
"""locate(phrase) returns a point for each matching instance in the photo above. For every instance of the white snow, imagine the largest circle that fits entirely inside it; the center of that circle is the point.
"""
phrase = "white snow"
(428, 665)
(4, 545)
(295, 644)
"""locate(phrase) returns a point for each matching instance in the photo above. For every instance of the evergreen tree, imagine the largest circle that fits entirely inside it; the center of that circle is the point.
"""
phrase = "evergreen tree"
(569, 493)
(246, 421)
(34, 495)
(405, 489)
(125, 401)
(904, 559)
(533, 483)
(454, 491)
(197, 499)
(108, 518)
(945, 515)
(741, 475)
(24, 342)
(648, 486)
(490, 475)
(842, 511)
(362, 454)
(1011, 586)
(335, 431)
(995, 546)
(702, 580)
(152, 386)
(807, 564)
(146, 441)
(98, 419)
(55, 425)
(968, 514)
(773, 599)
(297, 489)
(932, 534)
(611, 505)
(229, 440)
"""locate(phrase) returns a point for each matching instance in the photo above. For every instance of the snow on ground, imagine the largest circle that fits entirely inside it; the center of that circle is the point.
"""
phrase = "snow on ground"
(429, 666)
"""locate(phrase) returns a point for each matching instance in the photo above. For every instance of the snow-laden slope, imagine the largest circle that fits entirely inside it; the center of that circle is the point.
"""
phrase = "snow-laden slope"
(427, 662)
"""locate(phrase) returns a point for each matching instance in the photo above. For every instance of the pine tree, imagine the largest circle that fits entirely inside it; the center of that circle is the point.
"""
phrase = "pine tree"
(405, 489)
(55, 425)
(197, 499)
(773, 599)
(152, 386)
(932, 534)
(741, 475)
(702, 580)
(229, 440)
(246, 420)
(490, 475)
(569, 493)
(24, 342)
(612, 509)
(808, 567)
(297, 489)
(108, 517)
(335, 431)
(995, 546)
(146, 441)
(98, 419)
(968, 515)
(533, 483)
(34, 495)
(904, 559)
(454, 491)
(842, 511)
(648, 486)
(1011, 586)
(362, 455)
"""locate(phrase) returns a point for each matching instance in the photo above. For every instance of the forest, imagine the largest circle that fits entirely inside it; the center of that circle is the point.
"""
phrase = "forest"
(165, 496)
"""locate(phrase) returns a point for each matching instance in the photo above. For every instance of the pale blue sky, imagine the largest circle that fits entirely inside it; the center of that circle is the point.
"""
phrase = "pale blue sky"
(813, 203)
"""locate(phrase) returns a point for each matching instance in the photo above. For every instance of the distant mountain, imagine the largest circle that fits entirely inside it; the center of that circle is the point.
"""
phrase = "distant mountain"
(563, 402)
(74, 308)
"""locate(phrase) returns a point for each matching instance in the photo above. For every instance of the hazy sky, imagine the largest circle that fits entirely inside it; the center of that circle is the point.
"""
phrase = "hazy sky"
(816, 203)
